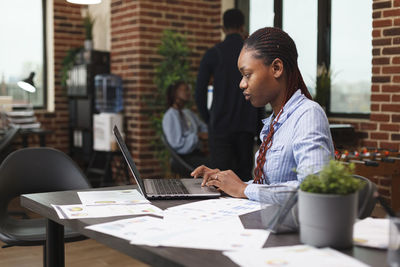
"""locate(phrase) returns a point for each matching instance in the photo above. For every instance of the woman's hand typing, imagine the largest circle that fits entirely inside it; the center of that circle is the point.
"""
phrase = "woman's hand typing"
(226, 181)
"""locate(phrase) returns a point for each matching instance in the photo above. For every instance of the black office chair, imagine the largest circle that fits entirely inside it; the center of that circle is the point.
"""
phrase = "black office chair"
(178, 164)
(35, 170)
(366, 198)
(6, 141)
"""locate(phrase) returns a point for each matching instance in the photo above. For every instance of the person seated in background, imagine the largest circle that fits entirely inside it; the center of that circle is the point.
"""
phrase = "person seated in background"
(182, 128)
(296, 137)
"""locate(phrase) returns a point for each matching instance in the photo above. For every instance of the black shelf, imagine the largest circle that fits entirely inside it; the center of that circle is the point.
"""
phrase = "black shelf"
(81, 94)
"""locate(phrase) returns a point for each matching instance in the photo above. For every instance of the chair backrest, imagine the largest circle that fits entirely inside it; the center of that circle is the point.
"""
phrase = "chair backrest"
(366, 198)
(175, 156)
(37, 170)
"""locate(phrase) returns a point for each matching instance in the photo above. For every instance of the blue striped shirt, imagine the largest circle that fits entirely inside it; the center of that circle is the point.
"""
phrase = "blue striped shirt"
(182, 140)
(301, 145)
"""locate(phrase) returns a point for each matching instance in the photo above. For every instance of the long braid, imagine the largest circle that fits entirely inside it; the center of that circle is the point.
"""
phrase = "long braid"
(269, 44)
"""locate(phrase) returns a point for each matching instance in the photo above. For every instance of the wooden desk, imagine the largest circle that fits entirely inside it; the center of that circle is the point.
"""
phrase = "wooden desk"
(155, 256)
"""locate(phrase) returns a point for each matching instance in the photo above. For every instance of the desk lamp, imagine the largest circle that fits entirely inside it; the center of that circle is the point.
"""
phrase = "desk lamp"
(28, 84)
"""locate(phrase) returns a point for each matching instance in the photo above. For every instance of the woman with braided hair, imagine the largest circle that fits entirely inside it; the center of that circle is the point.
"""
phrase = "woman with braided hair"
(296, 137)
(182, 128)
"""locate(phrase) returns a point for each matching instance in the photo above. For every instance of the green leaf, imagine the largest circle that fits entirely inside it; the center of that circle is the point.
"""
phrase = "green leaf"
(334, 178)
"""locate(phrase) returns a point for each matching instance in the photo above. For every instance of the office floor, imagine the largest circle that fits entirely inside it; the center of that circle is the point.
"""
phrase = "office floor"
(87, 253)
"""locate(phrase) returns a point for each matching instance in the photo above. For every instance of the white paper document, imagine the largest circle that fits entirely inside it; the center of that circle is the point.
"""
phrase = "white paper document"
(372, 232)
(214, 239)
(128, 228)
(152, 231)
(288, 256)
(211, 210)
(80, 211)
(125, 197)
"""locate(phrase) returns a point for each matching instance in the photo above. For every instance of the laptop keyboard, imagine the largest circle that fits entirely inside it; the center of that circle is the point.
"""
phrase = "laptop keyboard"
(169, 187)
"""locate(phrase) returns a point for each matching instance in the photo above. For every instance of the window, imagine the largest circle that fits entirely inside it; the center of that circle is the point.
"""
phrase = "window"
(299, 20)
(351, 56)
(261, 14)
(335, 33)
(22, 49)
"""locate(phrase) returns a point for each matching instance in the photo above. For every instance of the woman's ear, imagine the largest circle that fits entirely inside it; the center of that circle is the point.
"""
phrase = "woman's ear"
(277, 66)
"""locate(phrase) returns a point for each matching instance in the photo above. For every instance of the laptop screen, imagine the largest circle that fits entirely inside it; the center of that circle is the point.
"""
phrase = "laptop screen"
(129, 160)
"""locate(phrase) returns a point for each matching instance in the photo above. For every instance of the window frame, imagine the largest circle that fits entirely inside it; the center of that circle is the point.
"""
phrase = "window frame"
(44, 80)
(44, 19)
(323, 46)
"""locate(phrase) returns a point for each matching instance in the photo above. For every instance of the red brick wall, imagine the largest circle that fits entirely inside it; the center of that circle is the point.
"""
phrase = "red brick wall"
(382, 129)
(136, 28)
(68, 33)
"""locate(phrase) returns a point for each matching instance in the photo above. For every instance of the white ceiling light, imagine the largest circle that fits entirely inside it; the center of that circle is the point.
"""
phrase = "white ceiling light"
(84, 2)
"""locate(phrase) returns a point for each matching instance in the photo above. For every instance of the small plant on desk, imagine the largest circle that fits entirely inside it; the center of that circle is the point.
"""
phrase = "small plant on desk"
(328, 206)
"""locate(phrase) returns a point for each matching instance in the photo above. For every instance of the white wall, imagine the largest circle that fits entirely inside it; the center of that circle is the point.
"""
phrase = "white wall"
(102, 25)
(225, 5)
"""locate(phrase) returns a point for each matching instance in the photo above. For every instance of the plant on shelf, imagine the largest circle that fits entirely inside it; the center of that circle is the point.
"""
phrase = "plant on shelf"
(174, 66)
(88, 22)
(323, 86)
(328, 206)
(67, 64)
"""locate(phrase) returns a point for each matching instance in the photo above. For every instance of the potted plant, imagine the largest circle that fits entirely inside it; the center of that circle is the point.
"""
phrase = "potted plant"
(328, 206)
(67, 64)
(322, 86)
(173, 66)
(88, 23)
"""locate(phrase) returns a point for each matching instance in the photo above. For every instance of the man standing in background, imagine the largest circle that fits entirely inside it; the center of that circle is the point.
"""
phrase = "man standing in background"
(233, 122)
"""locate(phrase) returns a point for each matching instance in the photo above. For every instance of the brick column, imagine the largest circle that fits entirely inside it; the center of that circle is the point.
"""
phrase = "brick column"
(136, 28)
(68, 33)
(385, 97)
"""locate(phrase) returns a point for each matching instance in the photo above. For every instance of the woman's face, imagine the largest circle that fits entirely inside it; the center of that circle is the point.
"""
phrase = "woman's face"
(260, 83)
(182, 93)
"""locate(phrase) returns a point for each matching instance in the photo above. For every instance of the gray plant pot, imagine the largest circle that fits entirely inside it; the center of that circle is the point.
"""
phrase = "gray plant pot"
(327, 220)
(88, 44)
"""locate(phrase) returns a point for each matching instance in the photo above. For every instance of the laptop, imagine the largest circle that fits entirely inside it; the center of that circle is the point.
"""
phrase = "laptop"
(165, 188)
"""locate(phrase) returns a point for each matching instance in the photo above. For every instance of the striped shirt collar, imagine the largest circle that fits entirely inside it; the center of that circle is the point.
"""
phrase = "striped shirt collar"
(288, 109)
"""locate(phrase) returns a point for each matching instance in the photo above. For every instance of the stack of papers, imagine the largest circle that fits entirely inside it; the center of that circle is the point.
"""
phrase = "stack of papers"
(208, 224)
(153, 231)
(372, 232)
(300, 255)
(211, 210)
(97, 204)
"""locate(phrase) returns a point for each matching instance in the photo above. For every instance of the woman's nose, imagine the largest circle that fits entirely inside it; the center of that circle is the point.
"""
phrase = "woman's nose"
(243, 84)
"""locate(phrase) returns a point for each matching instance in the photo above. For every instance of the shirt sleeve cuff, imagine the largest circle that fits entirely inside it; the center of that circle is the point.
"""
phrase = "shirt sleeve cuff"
(251, 191)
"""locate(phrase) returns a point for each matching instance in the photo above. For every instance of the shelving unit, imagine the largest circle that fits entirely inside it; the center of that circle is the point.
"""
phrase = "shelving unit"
(81, 94)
